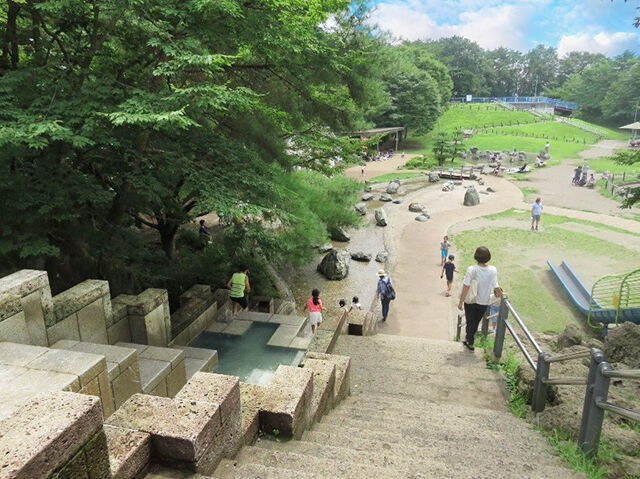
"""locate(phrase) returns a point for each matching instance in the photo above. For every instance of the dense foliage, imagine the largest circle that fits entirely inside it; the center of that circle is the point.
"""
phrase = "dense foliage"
(121, 121)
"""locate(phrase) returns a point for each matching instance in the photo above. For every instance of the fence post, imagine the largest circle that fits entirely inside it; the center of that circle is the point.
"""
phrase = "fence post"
(539, 397)
(459, 327)
(592, 415)
(624, 174)
(503, 312)
(485, 323)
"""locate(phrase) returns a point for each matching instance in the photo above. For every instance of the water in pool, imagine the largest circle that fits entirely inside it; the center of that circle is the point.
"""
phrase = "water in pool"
(248, 356)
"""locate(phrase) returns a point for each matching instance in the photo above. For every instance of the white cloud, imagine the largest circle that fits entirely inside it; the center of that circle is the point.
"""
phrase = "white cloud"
(490, 26)
(610, 44)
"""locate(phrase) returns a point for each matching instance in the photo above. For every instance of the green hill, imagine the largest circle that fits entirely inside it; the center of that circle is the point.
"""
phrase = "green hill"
(499, 128)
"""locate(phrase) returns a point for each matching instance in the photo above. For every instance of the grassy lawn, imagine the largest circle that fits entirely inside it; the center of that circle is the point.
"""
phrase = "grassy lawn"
(481, 115)
(529, 192)
(390, 176)
(559, 149)
(553, 131)
(604, 131)
(520, 258)
(600, 165)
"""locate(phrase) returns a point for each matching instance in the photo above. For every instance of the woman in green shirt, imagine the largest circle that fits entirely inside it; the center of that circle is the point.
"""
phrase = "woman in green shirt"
(239, 285)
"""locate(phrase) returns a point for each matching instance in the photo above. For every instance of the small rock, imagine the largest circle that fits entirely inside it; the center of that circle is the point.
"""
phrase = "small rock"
(422, 218)
(325, 247)
(339, 234)
(381, 217)
(471, 197)
(490, 190)
(385, 197)
(416, 207)
(361, 209)
(571, 336)
(367, 197)
(361, 256)
(382, 256)
(392, 187)
(398, 201)
(483, 192)
(447, 187)
(457, 182)
(480, 181)
(434, 177)
(367, 189)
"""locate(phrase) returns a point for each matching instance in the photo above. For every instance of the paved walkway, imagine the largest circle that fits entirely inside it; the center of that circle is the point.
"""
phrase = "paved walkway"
(422, 309)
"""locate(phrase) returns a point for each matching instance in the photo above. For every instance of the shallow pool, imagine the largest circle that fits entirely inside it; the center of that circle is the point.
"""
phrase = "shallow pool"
(248, 356)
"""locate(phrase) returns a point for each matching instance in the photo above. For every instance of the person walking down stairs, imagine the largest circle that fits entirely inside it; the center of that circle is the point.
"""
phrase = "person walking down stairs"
(385, 292)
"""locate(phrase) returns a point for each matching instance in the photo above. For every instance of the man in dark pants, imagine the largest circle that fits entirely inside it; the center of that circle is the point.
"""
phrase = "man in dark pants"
(382, 292)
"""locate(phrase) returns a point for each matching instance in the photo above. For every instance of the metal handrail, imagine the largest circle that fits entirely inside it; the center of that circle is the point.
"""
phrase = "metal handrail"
(565, 381)
(526, 331)
(518, 341)
(565, 357)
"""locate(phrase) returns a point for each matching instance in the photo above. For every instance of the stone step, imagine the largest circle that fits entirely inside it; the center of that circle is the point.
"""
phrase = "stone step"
(323, 467)
(400, 347)
(479, 392)
(232, 470)
(198, 359)
(129, 451)
(447, 458)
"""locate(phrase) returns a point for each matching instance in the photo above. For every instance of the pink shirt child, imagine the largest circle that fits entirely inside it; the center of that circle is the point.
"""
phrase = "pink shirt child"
(314, 308)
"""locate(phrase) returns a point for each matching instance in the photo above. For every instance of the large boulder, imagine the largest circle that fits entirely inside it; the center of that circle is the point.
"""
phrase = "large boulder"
(381, 217)
(361, 209)
(385, 197)
(335, 264)
(361, 256)
(416, 207)
(471, 197)
(367, 197)
(434, 177)
(339, 234)
(622, 344)
(473, 150)
(382, 256)
(367, 189)
(393, 187)
(571, 336)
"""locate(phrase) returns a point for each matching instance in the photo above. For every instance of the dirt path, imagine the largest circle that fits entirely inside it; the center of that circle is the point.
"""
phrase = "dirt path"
(377, 168)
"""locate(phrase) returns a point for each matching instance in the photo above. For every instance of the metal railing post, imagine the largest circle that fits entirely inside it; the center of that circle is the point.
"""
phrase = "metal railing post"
(501, 328)
(597, 356)
(591, 426)
(540, 387)
(458, 327)
(485, 323)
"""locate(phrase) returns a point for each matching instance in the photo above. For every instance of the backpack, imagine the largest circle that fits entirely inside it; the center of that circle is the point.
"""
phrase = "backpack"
(388, 293)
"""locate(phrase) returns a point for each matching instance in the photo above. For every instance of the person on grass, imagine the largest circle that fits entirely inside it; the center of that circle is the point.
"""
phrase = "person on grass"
(479, 281)
(536, 211)
(239, 286)
(449, 268)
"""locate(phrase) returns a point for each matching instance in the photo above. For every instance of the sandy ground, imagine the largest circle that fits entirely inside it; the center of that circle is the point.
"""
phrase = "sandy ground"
(422, 309)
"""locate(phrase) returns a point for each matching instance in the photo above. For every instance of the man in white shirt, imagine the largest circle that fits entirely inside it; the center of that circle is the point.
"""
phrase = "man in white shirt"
(536, 211)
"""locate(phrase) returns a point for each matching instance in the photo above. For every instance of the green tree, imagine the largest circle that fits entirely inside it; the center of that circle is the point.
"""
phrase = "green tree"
(540, 69)
(442, 148)
(506, 66)
(622, 98)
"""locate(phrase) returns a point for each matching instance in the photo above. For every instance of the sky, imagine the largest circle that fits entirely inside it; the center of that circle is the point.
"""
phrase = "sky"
(599, 26)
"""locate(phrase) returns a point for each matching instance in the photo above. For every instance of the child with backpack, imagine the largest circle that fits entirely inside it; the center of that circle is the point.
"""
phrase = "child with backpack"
(385, 292)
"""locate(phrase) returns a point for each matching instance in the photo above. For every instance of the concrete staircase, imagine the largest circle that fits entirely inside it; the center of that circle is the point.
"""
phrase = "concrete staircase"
(419, 409)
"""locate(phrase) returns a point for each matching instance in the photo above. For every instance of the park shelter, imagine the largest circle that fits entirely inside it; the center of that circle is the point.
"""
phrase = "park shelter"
(400, 133)
(634, 127)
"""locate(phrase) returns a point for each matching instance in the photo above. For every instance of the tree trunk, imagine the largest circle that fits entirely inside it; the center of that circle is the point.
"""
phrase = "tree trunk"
(168, 231)
(10, 50)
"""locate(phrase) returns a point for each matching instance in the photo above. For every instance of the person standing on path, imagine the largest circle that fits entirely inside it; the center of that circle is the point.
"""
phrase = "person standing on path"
(449, 268)
(314, 305)
(362, 170)
(384, 292)
(585, 169)
(239, 286)
(477, 285)
(536, 211)
(444, 250)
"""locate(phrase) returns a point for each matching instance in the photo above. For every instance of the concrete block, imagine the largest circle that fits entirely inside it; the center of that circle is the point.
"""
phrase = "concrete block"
(84, 365)
(10, 305)
(119, 332)
(254, 316)
(123, 356)
(216, 388)
(126, 385)
(150, 328)
(43, 436)
(302, 380)
(152, 373)
(333, 319)
(92, 323)
(176, 379)
(250, 423)
(19, 354)
(287, 319)
(97, 456)
(148, 301)
(92, 389)
(14, 328)
(342, 387)
(324, 379)
(65, 329)
(76, 298)
(262, 304)
(283, 335)
(237, 327)
(129, 451)
(280, 409)
(170, 355)
(76, 467)
(216, 327)
(321, 341)
(34, 313)
(180, 430)
(300, 343)
(202, 291)
(160, 390)
(106, 394)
